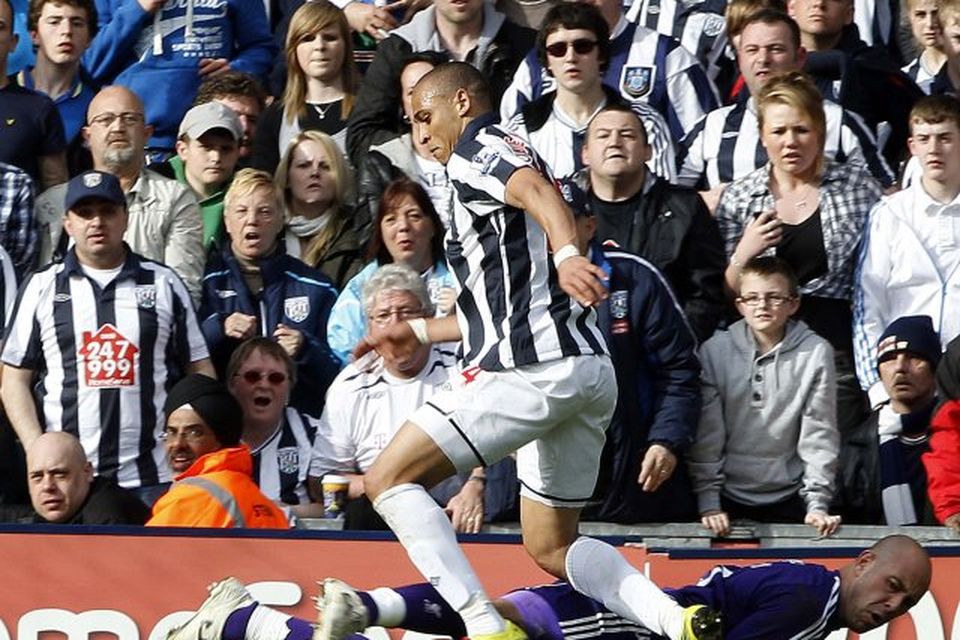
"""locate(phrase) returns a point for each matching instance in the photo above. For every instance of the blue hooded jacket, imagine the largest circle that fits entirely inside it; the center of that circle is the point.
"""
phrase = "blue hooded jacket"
(658, 400)
(157, 55)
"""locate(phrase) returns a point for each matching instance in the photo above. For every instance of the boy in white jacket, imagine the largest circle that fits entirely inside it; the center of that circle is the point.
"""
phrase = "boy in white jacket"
(767, 444)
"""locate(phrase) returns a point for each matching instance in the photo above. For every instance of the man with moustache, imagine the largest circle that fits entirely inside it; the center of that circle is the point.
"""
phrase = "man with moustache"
(214, 485)
(165, 222)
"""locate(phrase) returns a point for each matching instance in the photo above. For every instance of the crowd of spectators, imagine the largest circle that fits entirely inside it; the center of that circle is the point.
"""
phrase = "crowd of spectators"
(241, 190)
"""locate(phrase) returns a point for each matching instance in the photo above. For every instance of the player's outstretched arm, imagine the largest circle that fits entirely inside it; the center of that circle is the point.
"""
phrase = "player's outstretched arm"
(400, 342)
(531, 192)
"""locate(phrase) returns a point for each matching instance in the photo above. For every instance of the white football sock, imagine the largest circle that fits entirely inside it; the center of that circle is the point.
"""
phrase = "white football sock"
(267, 624)
(425, 532)
(391, 608)
(598, 570)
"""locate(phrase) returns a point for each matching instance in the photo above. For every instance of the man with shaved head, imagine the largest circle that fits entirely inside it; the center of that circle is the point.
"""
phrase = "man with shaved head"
(63, 489)
(537, 378)
(165, 222)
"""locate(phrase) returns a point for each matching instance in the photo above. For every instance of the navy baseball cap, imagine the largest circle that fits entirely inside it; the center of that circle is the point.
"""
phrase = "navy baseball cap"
(575, 197)
(96, 185)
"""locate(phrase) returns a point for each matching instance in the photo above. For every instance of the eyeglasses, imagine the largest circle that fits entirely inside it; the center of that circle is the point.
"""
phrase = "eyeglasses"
(253, 376)
(581, 46)
(127, 119)
(383, 318)
(773, 299)
(191, 434)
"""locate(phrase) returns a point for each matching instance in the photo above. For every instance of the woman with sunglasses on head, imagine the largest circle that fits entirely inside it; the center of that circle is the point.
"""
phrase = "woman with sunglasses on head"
(252, 287)
(407, 231)
(321, 83)
(807, 210)
(315, 183)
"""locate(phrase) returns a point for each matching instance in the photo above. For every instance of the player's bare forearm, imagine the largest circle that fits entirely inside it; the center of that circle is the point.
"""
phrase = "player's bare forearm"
(530, 191)
(19, 405)
(445, 329)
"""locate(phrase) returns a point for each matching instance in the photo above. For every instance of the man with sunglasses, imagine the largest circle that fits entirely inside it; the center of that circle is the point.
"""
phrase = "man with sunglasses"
(574, 47)
(642, 65)
(104, 334)
(214, 486)
(260, 375)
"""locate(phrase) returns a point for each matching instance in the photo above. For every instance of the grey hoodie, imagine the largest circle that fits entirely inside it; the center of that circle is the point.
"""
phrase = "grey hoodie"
(768, 425)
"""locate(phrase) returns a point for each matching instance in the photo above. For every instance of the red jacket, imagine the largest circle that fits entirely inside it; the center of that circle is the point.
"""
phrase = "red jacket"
(218, 491)
(943, 461)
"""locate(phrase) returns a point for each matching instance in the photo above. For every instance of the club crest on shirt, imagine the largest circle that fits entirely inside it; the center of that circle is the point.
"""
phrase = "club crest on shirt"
(146, 296)
(297, 308)
(288, 459)
(485, 160)
(618, 304)
(636, 82)
(714, 25)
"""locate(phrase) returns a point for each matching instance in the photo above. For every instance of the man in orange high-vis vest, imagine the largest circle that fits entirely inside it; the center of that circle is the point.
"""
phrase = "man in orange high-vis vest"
(214, 485)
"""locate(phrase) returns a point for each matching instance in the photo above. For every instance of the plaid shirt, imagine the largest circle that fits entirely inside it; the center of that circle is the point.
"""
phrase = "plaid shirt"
(18, 231)
(847, 193)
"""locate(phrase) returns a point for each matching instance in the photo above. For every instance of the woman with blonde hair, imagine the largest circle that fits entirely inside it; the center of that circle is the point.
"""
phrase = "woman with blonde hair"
(316, 185)
(321, 83)
(808, 210)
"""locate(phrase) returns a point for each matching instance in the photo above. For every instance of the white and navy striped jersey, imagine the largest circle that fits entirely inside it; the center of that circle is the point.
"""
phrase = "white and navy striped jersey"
(105, 358)
(558, 140)
(371, 407)
(510, 307)
(644, 65)
(921, 74)
(280, 463)
(725, 145)
(699, 25)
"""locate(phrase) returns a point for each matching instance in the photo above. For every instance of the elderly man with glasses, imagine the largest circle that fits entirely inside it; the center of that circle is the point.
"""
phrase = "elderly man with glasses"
(375, 394)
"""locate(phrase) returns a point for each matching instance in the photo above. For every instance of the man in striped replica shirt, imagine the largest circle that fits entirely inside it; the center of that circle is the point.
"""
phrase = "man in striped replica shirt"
(102, 336)
(643, 65)
(725, 145)
(540, 382)
(574, 47)
(770, 601)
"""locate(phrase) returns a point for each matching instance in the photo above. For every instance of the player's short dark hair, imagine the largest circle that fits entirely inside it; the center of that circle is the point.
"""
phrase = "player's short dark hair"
(619, 107)
(36, 8)
(935, 109)
(448, 77)
(770, 16)
(231, 83)
(574, 15)
(769, 266)
(267, 347)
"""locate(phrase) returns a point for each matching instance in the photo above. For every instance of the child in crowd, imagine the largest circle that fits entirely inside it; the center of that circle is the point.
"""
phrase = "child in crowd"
(925, 25)
(767, 444)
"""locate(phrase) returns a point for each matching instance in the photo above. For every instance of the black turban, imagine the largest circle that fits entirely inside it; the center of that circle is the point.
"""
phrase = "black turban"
(210, 399)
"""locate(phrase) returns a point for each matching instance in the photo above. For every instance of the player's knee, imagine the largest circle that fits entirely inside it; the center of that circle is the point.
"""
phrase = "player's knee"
(374, 483)
(548, 557)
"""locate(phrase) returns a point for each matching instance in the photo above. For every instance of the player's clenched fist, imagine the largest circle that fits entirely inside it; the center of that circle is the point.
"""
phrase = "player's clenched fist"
(582, 280)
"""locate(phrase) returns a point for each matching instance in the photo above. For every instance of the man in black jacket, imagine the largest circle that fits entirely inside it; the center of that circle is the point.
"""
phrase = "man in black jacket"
(63, 489)
(471, 31)
(639, 212)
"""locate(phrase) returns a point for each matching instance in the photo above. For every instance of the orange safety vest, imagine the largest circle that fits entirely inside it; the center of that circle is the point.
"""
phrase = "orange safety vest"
(218, 491)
